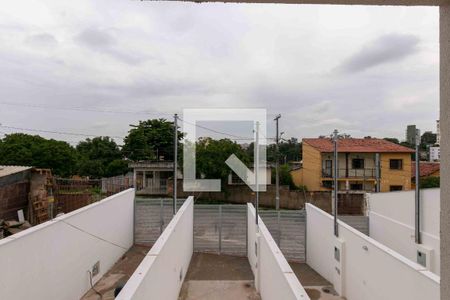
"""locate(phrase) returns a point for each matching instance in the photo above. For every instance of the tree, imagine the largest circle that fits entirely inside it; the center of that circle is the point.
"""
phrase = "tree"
(150, 140)
(211, 156)
(428, 138)
(36, 151)
(392, 140)
(429, 182)
(290, 150)
(100, 157)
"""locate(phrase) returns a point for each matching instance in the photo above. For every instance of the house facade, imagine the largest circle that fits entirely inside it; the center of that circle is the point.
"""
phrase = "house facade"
(357, 165)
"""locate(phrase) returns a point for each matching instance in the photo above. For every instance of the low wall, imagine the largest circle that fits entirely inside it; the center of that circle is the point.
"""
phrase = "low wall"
(161, 273)
(274, 278)
(242, 194)
(392, 223)
(360, 267)
(51, 260)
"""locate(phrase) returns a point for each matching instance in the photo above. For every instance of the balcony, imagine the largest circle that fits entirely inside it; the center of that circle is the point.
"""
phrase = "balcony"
(369, 173)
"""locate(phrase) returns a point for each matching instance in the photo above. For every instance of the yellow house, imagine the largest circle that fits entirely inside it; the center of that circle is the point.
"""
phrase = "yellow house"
(357, 171)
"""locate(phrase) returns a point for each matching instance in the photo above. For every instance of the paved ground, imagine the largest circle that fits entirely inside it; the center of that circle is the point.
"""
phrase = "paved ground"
(315, 285)
(216, 277)
(118, 274)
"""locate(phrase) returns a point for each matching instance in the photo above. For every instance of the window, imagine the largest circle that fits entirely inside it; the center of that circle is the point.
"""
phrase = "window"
(327, 184)
(394, 188)
(358, 163)
(396, 164)
(328, 170)
(356, 187)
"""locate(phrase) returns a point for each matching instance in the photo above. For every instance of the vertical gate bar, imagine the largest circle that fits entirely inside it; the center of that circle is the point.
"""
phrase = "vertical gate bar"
(306, 235)
(279, 229)
(161, 216)
(246, 231)
(220, 229)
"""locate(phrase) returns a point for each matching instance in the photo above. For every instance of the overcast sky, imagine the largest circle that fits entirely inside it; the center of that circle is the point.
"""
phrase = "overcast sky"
(363, 70)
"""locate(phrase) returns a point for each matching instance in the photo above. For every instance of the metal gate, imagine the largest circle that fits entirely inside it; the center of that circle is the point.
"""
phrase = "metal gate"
(223, 228)
(151, 218)
(288, 229)
(360, 223)
(220, 229)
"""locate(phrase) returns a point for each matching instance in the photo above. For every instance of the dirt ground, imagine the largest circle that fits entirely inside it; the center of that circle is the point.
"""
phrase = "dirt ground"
(118, 274)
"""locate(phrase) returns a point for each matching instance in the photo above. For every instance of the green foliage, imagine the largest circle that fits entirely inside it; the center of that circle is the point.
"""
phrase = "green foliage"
(212, 154)
(150, 139)
(290, 150)
(100, 157)
(286, 177)
(428, 138)
(392, 140)
(33, 150)
(429, 182)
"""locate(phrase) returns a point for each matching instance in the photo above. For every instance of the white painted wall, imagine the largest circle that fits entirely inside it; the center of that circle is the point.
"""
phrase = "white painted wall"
(51, 260)
(161, 273)
(392, 223)
(274, 278)
(367, 269)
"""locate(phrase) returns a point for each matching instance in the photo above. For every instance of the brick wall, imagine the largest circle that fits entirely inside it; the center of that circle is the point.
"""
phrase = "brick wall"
(13, 197)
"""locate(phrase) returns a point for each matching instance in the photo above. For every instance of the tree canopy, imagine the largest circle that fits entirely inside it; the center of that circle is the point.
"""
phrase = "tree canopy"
(100, 157)
(150, 140)
(211, 156)
(33, 150)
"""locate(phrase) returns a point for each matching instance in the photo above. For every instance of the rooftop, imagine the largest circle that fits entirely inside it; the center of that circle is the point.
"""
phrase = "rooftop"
(9, 170)
(365, 145)
(426, 168)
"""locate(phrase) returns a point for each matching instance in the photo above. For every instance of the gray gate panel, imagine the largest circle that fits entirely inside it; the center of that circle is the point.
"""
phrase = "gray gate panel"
(288, 229)
(360, 223)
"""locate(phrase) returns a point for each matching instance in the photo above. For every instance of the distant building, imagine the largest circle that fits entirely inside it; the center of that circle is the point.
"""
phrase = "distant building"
(357, 166)
(435, 153)
(411, 134)
(151, 177)
(438, 132)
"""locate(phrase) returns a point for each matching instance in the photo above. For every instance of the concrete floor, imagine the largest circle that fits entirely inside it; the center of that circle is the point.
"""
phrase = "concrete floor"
(315, 285)
(118, 274)
(217, 277)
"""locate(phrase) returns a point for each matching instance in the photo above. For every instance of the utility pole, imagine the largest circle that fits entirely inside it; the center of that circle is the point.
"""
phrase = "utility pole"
(335, 180)
(175, 161)
(256, 170)
(277, 164)
(417, 217)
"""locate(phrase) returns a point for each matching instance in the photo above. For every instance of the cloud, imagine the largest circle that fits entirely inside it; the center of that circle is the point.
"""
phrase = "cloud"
(385, 49)
(44, 40)
(95, 38)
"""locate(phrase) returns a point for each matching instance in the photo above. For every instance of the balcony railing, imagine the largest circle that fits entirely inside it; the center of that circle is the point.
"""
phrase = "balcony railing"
(350, 173)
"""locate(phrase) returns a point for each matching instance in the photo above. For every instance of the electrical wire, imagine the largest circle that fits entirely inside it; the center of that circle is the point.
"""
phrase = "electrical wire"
(93, 235)
(81, 109)
(57, 132)
(92, 286)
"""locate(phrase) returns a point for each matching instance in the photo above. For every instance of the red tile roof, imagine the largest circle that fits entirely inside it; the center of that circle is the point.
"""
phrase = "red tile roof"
(366, 145)
(426, 169)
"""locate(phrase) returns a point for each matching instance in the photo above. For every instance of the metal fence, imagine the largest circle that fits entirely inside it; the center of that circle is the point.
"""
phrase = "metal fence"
(288, 229)
(360, 223)
(151, 218)
(222, 229)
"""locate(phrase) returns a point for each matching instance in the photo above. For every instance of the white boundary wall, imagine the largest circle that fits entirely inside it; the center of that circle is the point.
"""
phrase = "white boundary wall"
(367, 269)
(51, 260)
(161, 273)
(274, 278)
(392, 223)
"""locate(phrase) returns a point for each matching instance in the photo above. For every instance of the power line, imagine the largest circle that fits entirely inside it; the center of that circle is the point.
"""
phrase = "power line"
(56, 132)
(216, 131)
(82, 109)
